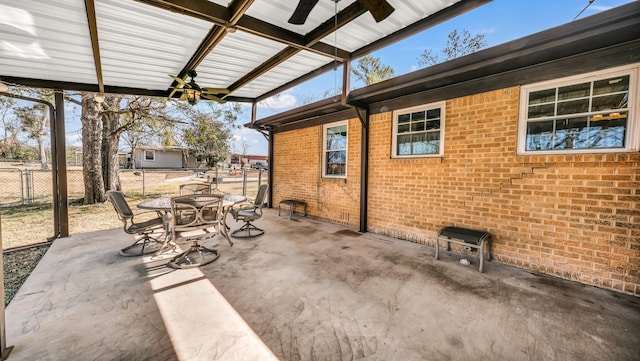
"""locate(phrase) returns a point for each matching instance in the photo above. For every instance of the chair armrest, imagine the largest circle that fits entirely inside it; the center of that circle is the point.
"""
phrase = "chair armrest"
(145, 215)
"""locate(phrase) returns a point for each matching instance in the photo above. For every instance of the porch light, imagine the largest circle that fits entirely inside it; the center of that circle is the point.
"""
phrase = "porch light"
(192, 91)
(99, 97)
(192, 95)
(3, 87)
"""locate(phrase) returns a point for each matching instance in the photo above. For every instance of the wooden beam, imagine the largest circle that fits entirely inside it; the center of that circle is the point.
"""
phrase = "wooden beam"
(347, 15)
(214, 37)
(352, 12)
(95, 45)
(222, 16)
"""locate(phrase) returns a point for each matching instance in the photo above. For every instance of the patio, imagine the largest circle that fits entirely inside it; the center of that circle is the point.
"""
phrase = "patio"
(308, 290)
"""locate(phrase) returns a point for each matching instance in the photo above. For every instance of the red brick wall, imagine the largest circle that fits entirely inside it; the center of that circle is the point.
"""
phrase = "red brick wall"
(572, 216)
(297, 167)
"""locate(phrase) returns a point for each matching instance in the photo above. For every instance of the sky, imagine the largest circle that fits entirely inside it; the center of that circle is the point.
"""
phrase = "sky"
(500, 21)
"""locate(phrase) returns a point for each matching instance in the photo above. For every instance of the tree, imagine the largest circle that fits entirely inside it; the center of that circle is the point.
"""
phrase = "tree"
(35, 121)
(10, 127)
(94, 190)
(208, 133)
(111, 131)
(457, 45)
(370, 70)
(103, 123)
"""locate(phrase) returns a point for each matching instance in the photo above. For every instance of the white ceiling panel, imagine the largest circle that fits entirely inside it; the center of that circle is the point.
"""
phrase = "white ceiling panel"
(47, 40)
(139, 42)
(298, 65)
(365, 30)
(278, 12)
(49, 43)
(237, 54)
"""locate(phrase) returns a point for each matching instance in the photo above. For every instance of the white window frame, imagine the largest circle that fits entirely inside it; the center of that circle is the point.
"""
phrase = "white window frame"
(631, 132)
(325, 128)
(153, 152)
(394, 136)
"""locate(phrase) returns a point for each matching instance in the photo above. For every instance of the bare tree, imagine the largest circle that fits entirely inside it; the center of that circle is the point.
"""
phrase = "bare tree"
(10, 128)
(35, 122)
(458, 44)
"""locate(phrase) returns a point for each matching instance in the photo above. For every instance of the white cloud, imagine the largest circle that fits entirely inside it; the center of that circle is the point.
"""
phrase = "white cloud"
(257, 144)
(600, 8)
(285, 100)
(74, 140)
(488, 31)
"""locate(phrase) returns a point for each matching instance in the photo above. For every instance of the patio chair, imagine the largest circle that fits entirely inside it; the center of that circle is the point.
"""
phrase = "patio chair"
(250, 214)
(142, 230)
(195, 188)
(194, 218)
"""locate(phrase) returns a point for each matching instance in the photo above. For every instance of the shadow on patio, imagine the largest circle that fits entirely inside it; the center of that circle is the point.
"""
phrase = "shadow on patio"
(308, 290)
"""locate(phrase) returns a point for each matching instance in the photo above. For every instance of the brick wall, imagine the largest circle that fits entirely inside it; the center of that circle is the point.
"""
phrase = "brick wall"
(572, 216)
(297, 167)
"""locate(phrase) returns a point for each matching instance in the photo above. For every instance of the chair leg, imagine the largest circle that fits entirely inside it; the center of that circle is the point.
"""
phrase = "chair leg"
(247, 228)
(142, 246)
(197, 255)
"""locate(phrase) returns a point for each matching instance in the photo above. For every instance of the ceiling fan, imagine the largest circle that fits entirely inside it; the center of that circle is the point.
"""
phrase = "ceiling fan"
(192, 92)
(380, 9)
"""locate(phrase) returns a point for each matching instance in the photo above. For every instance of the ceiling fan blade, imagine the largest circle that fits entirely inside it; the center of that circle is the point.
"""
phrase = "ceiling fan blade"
(214, 91)
(178, 80)
(302, 11)
(213, 97)
(380, 9)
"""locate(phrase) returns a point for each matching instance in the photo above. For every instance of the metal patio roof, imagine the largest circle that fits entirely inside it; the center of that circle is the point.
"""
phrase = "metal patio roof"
(604, 40)
(245, 46)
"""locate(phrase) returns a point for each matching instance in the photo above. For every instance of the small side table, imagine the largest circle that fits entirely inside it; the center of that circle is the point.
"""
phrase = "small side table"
(292, 203)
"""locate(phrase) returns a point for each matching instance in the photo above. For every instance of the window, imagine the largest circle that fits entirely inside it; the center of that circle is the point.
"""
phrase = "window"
(149, 155)
(417, 132)
(334, 157)
(592, 112)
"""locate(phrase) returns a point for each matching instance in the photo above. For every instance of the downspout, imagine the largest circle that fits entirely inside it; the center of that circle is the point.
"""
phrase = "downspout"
(364, 143)
(269, 137)
(270, 168)
(364, 170)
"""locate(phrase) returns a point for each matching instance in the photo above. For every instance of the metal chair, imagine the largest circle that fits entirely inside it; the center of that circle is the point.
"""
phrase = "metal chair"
(195, 188)
(195, 218)
(250, 214)
(146, 244)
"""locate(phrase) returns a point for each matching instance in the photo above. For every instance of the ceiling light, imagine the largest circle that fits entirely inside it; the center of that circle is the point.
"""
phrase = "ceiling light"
(3, 87)
(193, 91)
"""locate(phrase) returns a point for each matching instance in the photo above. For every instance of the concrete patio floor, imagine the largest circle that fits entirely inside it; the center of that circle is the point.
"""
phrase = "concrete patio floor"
(308, 290)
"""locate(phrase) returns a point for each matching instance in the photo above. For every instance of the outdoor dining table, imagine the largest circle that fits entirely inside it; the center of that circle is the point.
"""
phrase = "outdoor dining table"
(163, 204)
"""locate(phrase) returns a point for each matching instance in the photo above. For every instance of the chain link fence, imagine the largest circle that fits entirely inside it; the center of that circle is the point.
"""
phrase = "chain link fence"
(26, 196)
(28, 186)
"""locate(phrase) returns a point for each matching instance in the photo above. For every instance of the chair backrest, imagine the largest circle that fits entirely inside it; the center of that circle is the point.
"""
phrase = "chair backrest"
(120, 204)
(195, 188)
(261, 197)
(194, 212)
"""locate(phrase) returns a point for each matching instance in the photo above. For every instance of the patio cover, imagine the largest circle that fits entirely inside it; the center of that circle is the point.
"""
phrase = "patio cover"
(245, 46)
